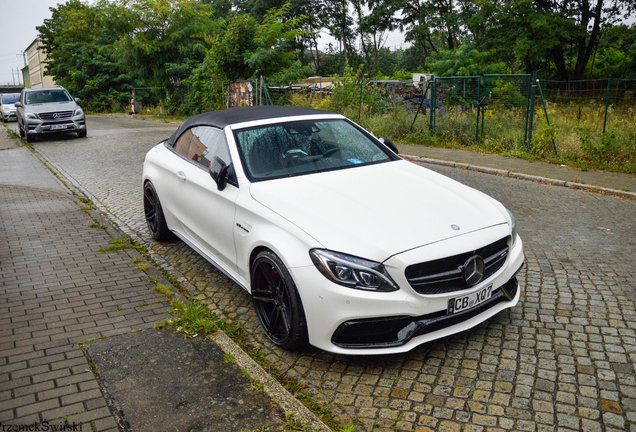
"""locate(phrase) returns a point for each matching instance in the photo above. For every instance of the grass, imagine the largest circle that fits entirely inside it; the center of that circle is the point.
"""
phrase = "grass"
(577, 132)
(192, 319)
(117, 244)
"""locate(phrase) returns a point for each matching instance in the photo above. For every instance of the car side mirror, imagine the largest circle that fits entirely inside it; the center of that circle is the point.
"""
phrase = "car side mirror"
(77, 100)
(387, 142)
(17, 104)
(218, 171)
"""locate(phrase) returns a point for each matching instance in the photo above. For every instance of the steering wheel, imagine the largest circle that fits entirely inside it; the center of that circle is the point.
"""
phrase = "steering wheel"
(291, 155)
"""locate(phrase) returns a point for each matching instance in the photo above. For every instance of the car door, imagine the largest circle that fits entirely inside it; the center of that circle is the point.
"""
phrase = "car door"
(206, 213)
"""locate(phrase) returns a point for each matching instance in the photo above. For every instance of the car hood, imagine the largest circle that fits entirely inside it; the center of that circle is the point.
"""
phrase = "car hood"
(377, 211)
(8, 106)
(51, 107)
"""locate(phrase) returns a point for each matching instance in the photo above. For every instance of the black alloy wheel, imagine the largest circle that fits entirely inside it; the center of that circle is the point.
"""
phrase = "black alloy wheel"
(277, 302)
(154, 215)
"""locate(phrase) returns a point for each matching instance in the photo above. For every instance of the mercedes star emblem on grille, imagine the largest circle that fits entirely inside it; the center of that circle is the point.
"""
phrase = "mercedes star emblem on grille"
(56, 116)
(473, 270)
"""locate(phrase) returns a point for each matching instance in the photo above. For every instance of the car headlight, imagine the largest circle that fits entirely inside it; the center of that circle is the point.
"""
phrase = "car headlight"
(513, 226)
(31, 116)
(78, 112)
(352, 272)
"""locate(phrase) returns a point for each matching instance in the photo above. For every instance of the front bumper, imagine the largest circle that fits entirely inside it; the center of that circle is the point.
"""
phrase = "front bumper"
(349, 321)
(42, 127)
(8, 116)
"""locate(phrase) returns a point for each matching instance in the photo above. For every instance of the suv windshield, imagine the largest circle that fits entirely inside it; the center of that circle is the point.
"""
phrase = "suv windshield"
(47, 96)
(10, 98)
(302, 147)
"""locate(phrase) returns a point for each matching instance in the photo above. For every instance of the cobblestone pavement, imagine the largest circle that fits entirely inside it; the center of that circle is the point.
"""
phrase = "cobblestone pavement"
(563, 359)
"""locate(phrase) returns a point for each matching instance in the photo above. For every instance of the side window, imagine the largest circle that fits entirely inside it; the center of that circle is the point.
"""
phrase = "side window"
(200, 144)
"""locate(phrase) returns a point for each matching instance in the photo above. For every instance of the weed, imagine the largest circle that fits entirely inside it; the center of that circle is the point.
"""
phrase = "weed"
(177, 304)
(86, 201)
(117, 244)
(192, 319)
(229, 358)
(148, 304)
(142, 266)
(164, 290)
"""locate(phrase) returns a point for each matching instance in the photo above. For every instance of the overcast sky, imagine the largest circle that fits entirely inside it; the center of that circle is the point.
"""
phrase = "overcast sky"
(17, 26)
(20, 17)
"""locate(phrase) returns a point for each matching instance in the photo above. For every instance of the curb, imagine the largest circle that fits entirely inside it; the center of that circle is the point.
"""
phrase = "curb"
(520, 176)
(286, 401)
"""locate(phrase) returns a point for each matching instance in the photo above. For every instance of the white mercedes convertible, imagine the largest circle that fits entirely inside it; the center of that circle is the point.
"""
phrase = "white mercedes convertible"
(340, 242)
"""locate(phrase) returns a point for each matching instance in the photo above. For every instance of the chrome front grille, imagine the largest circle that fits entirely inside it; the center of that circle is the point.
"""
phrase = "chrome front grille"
(57, 115)
(446, 274)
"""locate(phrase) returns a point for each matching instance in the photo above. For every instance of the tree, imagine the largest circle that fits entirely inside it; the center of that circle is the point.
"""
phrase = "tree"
(466, 61)
(558, 35)
(168, 40)
(78, 41)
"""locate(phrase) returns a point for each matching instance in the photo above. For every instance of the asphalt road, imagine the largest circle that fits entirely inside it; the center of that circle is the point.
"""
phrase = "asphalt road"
(563, 359)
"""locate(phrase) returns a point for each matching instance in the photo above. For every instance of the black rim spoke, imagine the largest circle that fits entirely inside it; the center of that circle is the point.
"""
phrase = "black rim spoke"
(150, 207)
(263, 295)
(286, 323)
(273, 320)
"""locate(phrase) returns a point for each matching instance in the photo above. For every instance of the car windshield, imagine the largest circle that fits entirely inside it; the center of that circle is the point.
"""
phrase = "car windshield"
(47, 96)
(303, 147)
(10, 98)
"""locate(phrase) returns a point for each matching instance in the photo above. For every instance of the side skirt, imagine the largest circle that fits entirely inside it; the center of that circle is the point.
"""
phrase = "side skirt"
(210, 260)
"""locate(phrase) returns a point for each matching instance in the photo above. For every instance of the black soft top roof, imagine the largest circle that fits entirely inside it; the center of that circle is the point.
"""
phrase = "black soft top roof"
(225, 117)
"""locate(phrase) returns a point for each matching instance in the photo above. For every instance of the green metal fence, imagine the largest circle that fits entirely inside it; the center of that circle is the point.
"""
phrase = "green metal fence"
(604, 100)
(488, 104)
(508, 97)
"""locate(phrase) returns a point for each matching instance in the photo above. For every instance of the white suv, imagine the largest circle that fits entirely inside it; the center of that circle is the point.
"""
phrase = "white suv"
(49, 110)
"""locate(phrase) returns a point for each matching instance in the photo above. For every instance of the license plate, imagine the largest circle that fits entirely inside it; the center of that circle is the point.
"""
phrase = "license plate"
(468, 301)
(56, 127)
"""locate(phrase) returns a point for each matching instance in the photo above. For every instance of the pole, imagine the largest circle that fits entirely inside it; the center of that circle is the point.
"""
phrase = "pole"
(478, 103)
(525, 136)
(431, 105)
(545, 110)
(312, 95)
(360, 106)
(609, 82)
(421, 103)
(532, 96)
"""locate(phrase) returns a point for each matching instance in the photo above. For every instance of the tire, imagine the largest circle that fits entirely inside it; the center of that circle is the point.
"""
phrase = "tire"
(277, 303)
(154, 215)
(82, 133)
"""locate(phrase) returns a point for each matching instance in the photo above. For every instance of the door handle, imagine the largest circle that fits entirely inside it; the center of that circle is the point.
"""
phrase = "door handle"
(181, 175)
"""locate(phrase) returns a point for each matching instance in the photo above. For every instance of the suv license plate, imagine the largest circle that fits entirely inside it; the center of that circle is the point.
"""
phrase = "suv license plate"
(55, 127)
(462, 303)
